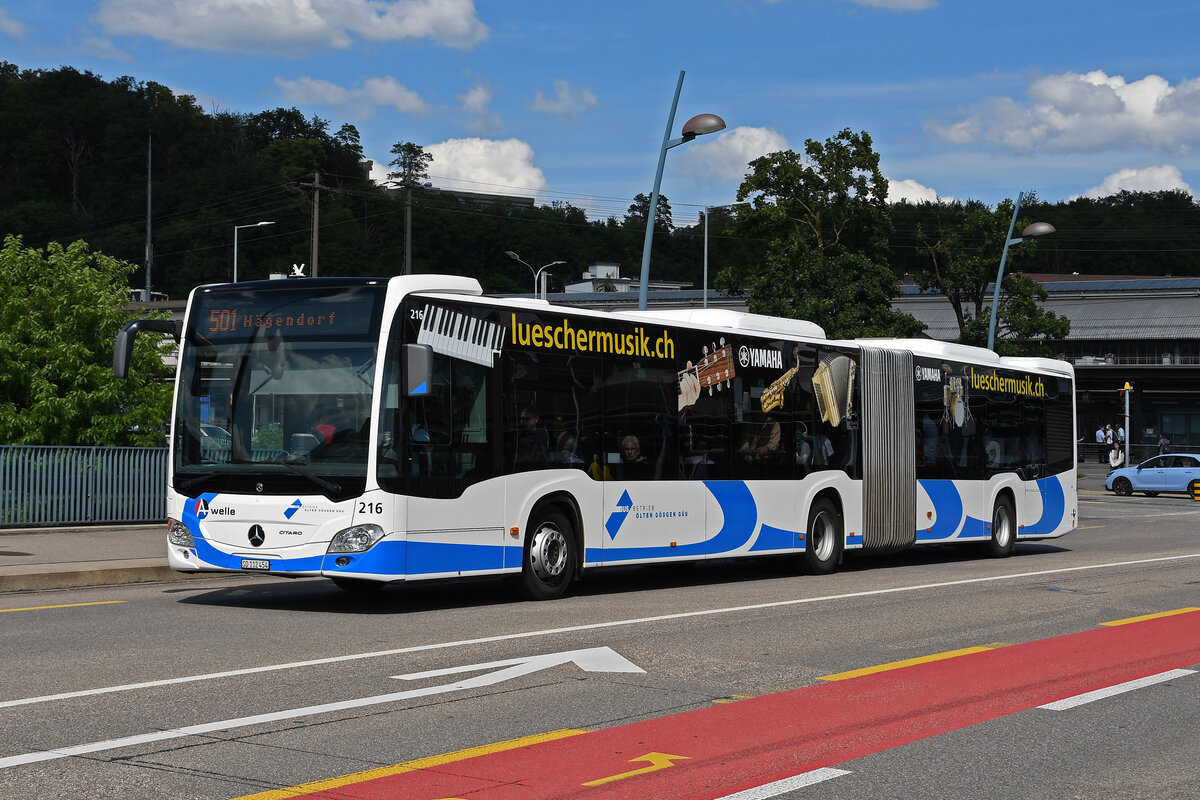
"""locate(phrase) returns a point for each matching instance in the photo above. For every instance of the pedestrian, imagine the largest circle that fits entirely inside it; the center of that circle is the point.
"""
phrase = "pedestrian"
(1120, 434)
(1100, 448)
(1108, 434)
(1116, 457)
(1164, 443)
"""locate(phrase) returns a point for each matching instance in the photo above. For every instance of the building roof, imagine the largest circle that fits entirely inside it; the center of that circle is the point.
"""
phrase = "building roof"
(1100, 307)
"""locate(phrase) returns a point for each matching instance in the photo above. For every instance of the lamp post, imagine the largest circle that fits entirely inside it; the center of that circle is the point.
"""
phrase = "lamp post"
(696, 126)
(537, 273)
(708, 209)
(1030, 232)
(237, 228)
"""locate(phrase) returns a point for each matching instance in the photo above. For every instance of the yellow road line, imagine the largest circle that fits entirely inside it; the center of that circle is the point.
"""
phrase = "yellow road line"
(64, 605)
(409, 766)
(1132, 620)
(908, 662)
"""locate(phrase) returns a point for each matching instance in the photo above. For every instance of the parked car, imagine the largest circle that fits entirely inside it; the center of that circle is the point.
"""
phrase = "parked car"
(1174, 472)
(214, 436)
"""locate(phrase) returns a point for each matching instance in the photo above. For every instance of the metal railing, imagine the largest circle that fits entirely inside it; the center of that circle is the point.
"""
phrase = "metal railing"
(82, 485)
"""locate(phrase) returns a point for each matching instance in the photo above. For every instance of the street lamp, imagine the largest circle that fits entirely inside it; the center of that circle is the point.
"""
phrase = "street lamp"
(1030, 232)
(537, 273)
(237, 228)
(707, 209)
(696, 126)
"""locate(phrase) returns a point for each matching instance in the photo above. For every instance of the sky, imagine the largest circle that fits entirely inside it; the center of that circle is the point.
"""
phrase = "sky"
(568, 100)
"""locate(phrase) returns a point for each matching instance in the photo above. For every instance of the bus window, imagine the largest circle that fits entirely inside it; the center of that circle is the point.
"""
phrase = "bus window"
(642, 403)
(835, 432)
(551, 411)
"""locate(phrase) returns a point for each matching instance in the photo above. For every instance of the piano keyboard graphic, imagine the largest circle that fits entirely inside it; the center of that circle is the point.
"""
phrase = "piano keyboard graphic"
(458, 335)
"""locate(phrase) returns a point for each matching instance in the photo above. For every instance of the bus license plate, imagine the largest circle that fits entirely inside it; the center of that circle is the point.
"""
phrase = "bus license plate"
(256, 563)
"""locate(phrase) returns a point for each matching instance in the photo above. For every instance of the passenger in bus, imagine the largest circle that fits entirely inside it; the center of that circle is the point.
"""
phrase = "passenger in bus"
(762, 441)
(598, 470)
(533, 443)
(633, 464)
(565, 454)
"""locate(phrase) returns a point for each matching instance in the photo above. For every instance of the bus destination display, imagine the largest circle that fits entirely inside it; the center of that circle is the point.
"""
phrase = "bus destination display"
(244, 315)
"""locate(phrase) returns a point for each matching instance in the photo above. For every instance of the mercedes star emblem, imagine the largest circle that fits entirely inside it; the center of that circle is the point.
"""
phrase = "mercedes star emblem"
(257, 535)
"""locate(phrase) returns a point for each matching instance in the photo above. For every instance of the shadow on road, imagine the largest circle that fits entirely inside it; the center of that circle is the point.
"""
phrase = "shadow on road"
(322, 596)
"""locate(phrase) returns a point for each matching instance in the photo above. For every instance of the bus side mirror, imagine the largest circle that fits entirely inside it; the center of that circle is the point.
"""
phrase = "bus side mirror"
(123, 349)
(417, 369)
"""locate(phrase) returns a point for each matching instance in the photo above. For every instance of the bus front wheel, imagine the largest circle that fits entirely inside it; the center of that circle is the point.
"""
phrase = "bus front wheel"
(1004, 529)
(550, 556)
(824, 541)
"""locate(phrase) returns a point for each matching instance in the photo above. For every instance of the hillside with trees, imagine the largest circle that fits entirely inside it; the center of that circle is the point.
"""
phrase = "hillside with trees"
(76, 151)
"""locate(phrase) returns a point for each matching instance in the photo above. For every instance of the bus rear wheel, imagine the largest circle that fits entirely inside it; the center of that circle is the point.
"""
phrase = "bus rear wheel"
(824, 540)
(1004, 529)
(550, 557)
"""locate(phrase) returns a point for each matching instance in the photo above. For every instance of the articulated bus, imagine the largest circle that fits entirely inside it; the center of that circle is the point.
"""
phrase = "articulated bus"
(383, 430)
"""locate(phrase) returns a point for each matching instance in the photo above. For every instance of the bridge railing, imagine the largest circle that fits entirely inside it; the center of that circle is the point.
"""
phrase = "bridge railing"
(82, 485)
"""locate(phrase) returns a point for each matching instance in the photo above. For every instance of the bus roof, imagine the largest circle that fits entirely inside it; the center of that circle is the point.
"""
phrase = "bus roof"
(734, 320)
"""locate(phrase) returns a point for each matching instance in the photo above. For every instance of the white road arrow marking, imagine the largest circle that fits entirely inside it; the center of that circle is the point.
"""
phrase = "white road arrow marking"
(595, 659)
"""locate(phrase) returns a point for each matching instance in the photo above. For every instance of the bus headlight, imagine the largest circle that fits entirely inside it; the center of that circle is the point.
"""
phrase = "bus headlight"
(179, 534)
(358, 539)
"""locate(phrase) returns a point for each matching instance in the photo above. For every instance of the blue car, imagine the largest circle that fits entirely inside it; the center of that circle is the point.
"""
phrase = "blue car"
(1176, 472)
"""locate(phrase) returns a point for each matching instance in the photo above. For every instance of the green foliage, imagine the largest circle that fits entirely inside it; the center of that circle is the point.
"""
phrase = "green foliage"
(961, 258)
(1024, 327)
(411, 162)
(825, 216)
(60, 311)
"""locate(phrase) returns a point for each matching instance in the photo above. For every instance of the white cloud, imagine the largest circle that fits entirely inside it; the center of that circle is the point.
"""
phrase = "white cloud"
(1089, 112)
(361, 101)
(568, 100)
(910, 190)
(11, 27)
(726, 156)
(485, 165)
(292, 27)
(1149, 179)
(475, 103)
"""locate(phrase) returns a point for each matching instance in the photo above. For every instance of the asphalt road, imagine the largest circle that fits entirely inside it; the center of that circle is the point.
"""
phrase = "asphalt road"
(229, 687)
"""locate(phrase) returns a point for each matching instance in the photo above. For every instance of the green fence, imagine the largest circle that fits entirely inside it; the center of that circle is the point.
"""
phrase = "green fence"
(82, 485)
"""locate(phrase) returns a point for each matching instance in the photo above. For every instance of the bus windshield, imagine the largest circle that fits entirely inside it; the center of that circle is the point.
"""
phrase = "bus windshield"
(275, 389)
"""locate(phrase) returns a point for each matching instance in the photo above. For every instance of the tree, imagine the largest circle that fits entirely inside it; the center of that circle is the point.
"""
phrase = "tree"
(824, 216)
(60, 311)
(411, 162)
(639, 209)
(961, 258)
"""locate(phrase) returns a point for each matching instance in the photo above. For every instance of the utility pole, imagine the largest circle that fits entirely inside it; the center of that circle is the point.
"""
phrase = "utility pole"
(408, 186)
(149, 243)
(316, 216)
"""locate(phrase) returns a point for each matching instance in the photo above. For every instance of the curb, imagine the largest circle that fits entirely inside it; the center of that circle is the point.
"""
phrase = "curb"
(77, 576)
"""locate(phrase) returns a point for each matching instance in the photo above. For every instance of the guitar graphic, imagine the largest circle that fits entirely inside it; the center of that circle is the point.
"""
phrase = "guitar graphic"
(714, 371)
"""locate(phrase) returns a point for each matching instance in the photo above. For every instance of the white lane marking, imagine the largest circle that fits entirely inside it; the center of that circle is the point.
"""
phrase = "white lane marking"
(595, 659)
(1120, 688)
(507, 637)
(787, 784)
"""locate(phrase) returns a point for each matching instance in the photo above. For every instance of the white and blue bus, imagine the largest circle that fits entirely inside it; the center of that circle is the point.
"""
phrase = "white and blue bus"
(382, 430)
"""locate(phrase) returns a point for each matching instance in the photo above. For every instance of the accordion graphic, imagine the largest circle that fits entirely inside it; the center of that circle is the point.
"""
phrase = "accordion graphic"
(833, 384)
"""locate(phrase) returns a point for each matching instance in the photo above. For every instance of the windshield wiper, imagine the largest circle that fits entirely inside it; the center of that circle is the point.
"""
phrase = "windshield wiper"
(190, 482)
(329, 486)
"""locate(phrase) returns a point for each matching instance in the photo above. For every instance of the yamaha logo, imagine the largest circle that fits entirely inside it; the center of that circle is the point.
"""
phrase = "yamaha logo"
(760, 357)
(257, 535)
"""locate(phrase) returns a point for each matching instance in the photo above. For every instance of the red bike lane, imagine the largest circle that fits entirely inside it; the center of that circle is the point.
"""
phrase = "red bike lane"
(719, 750)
